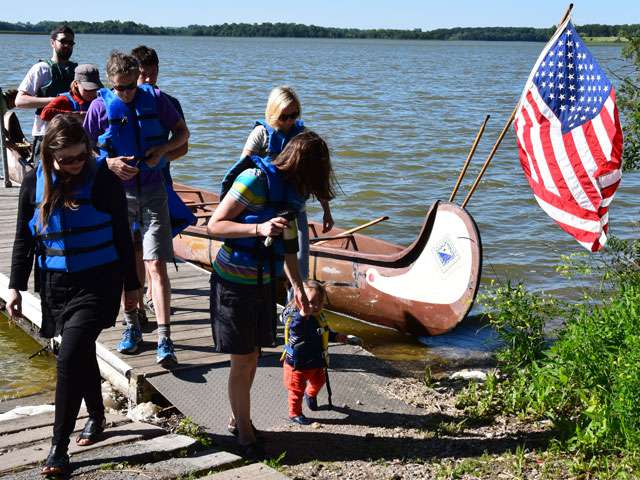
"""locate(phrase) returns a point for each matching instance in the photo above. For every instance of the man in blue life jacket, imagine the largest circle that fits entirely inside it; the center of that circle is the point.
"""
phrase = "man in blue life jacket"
(47, 79)
(149, 69)
(129, 125)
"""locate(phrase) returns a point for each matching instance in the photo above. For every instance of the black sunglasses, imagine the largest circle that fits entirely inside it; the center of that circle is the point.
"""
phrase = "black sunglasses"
(288, 116)
(122, 88)
(66, 43)
(82, 157)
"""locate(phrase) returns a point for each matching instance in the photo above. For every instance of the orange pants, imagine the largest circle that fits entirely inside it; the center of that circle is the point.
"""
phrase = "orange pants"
(297, 382)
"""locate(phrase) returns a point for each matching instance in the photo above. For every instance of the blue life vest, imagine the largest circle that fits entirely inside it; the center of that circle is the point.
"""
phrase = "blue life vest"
(74, 239)
(306, 340)
(75, 106)
(278, 139)
(281, 196)
(132, 131)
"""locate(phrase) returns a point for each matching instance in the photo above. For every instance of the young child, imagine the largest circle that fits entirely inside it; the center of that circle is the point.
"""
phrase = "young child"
(306, 357)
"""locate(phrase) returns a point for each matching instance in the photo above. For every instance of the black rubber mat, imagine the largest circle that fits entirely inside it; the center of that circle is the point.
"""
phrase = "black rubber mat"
(201, 392)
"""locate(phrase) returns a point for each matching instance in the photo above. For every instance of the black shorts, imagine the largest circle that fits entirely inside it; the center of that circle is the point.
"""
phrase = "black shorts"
(242, 316)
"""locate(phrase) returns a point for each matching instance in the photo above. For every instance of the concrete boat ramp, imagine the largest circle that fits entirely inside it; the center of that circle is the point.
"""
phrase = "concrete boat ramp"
(197, 388)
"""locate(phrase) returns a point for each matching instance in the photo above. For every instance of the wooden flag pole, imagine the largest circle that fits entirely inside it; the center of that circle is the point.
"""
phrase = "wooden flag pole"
(346, 233)
(469, 157)
(504, 130)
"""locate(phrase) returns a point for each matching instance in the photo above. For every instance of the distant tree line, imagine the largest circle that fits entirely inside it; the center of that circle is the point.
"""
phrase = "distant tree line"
(312, 31)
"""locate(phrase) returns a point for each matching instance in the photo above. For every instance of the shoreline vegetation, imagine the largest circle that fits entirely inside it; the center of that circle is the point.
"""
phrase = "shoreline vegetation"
(592, 33)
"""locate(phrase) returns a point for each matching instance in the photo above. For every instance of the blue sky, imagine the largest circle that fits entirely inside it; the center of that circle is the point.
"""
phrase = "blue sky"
(403, 14)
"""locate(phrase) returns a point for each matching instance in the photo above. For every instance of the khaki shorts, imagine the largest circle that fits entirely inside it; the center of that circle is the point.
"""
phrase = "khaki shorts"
(149, 215)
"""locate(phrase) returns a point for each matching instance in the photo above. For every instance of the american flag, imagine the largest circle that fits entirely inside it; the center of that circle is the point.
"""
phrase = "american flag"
(570, 139)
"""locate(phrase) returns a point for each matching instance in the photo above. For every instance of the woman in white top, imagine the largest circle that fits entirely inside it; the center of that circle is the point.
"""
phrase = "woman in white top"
(268, 138)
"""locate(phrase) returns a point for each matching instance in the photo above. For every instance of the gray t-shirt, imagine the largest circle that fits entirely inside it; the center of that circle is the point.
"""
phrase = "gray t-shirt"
(258, 141)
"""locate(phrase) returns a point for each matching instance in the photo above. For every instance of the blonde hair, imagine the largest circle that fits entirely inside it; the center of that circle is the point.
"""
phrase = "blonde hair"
(279, 99)
(120, 63)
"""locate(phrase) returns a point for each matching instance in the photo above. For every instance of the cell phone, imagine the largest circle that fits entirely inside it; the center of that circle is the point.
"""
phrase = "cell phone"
(288, 215)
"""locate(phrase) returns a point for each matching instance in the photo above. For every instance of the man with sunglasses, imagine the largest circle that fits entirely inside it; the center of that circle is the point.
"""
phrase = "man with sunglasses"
(47, 79)
(149, 68)
(130, 127)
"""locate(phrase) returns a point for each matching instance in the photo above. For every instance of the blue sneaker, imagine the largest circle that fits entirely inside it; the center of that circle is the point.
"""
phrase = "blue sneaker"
(301, 420)
(166, 355)
(131, 338)
(312, 402)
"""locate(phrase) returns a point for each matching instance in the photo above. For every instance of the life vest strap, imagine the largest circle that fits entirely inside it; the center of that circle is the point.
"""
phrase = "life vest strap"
(121, 121)
(153, 138)
(67, 231)
(79, 201)
(258, 252)
(147, 116)
(64, 252)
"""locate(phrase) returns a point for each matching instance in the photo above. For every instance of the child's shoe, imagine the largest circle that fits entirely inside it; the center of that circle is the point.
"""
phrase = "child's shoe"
(312, 402)
(301, 420)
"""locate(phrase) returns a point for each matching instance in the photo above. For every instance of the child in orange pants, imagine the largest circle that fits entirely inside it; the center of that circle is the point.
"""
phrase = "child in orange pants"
(306, 357)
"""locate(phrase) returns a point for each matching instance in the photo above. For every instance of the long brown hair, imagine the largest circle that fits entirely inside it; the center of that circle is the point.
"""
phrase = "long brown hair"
(65, 130)
(306, 163)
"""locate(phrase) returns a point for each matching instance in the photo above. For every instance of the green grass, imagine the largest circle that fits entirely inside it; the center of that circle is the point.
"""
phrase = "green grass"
(191, 429)
(587, 382)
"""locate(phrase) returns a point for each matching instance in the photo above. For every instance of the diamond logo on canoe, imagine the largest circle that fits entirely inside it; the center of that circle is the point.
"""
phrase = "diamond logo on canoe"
(446, 254)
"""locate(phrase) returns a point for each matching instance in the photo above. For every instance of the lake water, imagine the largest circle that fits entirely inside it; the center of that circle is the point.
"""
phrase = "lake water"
(399, 117)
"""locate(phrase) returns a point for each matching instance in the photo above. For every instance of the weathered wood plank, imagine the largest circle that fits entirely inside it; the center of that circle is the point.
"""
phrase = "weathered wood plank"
(194, 464)
(32, 435)
(24, 457)
(31, 421)
(86, 463)
(255, 471)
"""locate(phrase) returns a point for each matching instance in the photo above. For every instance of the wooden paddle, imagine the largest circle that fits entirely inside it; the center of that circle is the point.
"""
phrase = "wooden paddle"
(346, 233)
(469, 157)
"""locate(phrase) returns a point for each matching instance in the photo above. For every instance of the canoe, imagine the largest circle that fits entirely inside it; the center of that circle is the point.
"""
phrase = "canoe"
(427, 287)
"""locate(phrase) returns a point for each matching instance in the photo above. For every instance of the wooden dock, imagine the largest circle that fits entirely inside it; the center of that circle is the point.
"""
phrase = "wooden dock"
(190, 323)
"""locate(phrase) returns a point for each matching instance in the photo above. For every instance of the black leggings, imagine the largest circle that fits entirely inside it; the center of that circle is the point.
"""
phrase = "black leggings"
(78, 374)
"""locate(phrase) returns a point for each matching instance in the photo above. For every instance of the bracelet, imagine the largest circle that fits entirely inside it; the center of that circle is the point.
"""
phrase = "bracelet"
(256, 229)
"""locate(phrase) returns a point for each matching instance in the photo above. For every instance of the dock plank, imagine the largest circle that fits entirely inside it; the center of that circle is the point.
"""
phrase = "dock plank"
(255, 471)
(35, 434)
(30, 421)
(197, 463)
(33, 454)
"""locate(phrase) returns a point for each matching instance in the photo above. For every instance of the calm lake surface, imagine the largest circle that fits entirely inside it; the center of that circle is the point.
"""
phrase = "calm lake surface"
(399, 117)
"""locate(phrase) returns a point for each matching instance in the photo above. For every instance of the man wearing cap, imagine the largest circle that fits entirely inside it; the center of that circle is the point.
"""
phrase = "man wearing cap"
(84, 89)
(47, 79)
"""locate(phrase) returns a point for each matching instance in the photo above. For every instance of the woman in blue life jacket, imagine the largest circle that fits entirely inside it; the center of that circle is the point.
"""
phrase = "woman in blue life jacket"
(72, 215)
(268, 138)
(242, 300)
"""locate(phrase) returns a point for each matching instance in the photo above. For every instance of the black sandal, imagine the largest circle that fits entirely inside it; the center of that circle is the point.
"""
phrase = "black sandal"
(252, 451)
(57, 462)
(233, 430)
(92, 431)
